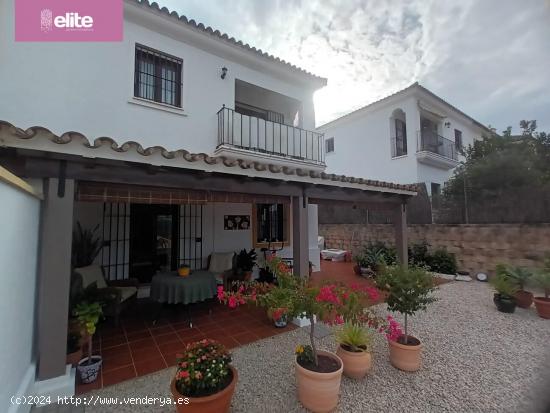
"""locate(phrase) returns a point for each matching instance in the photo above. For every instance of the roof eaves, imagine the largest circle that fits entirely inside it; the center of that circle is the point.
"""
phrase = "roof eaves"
(321, 81)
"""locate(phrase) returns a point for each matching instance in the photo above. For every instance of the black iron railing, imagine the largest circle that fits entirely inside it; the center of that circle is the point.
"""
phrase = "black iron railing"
(432, 142)
(264, 136)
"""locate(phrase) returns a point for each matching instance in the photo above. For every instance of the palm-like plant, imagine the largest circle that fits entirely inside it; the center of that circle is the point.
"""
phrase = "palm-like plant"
(504, 286)
(354, 336)
(86, 246)
(518, 275)
(542, 278)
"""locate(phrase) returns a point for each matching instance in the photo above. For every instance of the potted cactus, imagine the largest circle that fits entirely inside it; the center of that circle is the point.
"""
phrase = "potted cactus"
(88, 314)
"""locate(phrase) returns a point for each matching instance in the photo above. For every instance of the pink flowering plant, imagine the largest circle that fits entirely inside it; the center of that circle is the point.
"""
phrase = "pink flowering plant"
(203, 369)
(331, 303)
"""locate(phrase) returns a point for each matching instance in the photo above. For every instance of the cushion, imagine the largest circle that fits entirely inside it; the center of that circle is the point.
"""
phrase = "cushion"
(91, 274)
(126, 292)
(220, 262)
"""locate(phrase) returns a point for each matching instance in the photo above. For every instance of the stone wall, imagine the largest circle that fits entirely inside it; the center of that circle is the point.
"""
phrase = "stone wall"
(478, 248)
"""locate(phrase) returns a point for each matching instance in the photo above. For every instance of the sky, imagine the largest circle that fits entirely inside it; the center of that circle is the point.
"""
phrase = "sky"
(490, 58)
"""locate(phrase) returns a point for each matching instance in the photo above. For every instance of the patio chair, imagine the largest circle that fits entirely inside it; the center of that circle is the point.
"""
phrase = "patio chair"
(123, 293)
(222, 265)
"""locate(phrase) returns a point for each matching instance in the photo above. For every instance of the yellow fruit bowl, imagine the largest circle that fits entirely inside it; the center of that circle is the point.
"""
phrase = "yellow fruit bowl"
(184, 271)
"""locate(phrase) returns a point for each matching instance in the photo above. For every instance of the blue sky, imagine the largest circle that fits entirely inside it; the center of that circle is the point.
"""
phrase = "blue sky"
(490, 58)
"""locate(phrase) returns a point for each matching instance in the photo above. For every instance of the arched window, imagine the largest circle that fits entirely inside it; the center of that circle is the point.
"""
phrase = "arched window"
(398, 128)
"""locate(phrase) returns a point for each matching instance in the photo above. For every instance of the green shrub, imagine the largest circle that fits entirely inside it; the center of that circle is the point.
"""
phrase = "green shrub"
(519, 276)
(442, 261)
(419, 254)
(504, 285)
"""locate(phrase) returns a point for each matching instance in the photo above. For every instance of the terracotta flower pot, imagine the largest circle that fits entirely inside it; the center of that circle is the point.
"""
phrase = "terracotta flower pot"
(543, 306)
(319, 392)
(356, 364)
(406, 357)
(219, 402)
(524, 299)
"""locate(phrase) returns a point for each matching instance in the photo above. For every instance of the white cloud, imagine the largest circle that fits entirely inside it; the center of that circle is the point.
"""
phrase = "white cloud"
(489, 58)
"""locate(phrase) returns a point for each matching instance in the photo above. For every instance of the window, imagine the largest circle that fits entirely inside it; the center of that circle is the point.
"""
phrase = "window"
(329, 145)
(270, 224)
(458, 139)
(400, 138)
(157, 76)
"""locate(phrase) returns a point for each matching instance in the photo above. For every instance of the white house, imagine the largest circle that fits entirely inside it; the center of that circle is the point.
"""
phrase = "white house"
(411, 136)
(178, 142)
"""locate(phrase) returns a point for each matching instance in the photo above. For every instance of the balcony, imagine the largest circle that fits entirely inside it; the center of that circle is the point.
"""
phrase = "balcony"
(257, 139)
(435, 150)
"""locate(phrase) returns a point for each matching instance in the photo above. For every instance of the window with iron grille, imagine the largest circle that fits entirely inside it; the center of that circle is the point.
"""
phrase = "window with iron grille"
(458, 139)
(400, 138)
(157, 76)
(270, 224)
(329, 143)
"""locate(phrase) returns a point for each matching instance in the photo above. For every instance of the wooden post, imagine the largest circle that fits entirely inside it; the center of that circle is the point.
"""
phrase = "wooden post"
(300, 247)
(54, 276)
(400, 226)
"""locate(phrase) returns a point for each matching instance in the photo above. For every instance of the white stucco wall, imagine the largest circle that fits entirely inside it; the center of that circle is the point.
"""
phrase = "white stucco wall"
(86, 87)
(362, 143)
(19, 223)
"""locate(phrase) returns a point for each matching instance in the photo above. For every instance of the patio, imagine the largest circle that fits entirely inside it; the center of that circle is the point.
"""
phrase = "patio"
(475, 359)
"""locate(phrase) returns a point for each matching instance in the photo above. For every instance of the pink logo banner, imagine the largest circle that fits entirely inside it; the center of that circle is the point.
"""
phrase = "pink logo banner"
(68, 20)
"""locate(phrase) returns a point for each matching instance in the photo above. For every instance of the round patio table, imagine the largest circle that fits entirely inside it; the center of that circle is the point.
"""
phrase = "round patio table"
(170, 288)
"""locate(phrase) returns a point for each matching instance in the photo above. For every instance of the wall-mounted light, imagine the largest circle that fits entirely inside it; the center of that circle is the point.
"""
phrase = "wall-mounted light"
(224, 72)
(447, 124)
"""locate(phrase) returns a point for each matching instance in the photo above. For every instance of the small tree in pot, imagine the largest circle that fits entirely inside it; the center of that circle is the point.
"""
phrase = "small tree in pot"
(245, 262)
(542, 279)
(408, 291)
(88, 314)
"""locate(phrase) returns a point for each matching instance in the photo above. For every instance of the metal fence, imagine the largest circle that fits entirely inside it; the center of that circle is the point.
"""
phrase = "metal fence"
(432, 142)
(264, 136)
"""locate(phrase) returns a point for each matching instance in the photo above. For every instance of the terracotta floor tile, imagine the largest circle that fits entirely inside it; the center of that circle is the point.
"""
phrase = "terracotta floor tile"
(166, 338)
(171, 347)
(188, 332)
(150, 366)
(115, 351)
(117, 362)
(113, 342)
(159, 331)
(216, 334)
(116, 376)
(147, 353)
(139, 335)
(170, 357)
(209, 328)
(229, 342)
(245, 338)
(143, 343)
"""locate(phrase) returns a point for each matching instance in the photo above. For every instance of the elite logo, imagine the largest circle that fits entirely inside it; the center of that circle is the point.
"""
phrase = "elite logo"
(68, 20)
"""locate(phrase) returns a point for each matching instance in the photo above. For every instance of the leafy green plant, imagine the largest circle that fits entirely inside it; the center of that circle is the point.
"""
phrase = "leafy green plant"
(246, 260)
(409, 289)
(504, 286)
(520, 276)
(542, 278)
(442, 261)
(89, 314)
(86, 246)
(419, 254)
(354, 337)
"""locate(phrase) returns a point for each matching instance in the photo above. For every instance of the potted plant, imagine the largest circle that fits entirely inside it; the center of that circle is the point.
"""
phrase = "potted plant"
(205, 380)
(74, 348)
(505, 291)
(408, 291)
(245, 262)
(361, 266)
(354, 349)
(520, 276)
(318, 373)
(542, 279)
(86, 246)
(89, 313)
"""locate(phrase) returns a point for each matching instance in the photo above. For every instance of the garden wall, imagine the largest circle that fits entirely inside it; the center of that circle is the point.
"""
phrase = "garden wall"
(478, 248)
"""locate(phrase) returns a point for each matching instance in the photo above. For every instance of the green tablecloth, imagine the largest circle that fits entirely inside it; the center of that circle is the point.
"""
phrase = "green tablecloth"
(173, 289)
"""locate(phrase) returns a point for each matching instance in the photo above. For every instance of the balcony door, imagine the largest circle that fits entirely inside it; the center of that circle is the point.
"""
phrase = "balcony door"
(429, 135)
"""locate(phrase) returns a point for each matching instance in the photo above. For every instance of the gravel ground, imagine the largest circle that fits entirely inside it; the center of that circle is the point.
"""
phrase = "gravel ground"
(475, 359)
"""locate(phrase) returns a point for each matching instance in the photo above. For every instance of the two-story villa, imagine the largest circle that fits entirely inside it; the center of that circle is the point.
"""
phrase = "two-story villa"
(177, 143)
(411, 136)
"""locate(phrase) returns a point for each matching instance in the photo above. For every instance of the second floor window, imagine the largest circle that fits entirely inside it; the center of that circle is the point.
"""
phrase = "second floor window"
(157, 76)
(329, 145)
(400, 138)
(458, 140)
